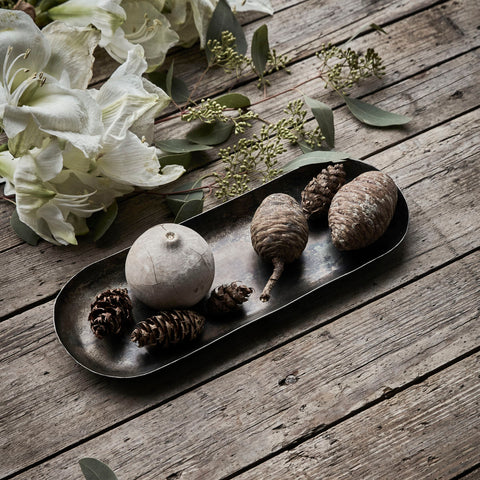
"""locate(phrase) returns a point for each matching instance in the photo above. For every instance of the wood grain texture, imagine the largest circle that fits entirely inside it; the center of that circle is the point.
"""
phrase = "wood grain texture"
(429, 431)
(295, 390)
(437, 235)
(372, 377)
(51, 266)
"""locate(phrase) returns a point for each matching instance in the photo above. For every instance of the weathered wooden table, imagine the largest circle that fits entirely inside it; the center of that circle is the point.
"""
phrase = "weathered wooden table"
(375, 376)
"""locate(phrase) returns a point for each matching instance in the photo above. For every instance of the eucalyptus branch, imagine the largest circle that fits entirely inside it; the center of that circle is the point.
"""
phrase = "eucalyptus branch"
(8, 199)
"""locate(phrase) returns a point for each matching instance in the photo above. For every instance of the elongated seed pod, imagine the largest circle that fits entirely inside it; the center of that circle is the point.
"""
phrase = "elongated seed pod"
(361, 210)
(279, 233)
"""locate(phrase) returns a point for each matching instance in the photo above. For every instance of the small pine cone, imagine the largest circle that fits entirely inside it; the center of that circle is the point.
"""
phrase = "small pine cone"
(110, 312)
(227, 298)
(318, 194)
(168, 328)
(362, 210)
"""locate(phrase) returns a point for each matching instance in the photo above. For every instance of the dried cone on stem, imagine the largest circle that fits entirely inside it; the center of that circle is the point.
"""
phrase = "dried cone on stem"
(318, 194)
(168, 328)
(279, 233)
(362, 210)
(110, 312)
(227, 298)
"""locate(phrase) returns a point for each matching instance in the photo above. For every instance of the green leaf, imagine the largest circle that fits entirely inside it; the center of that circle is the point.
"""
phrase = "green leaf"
(324, 116)
(317, 156)
(223, 19)
(100, 222)
(94, 469)
(189, 160)
(211, 133)
(371, 115)
(180, 145)
(233, 100)
(175, 88)
(23, 230)
(260, 49)
(186, 205)
(183, 159)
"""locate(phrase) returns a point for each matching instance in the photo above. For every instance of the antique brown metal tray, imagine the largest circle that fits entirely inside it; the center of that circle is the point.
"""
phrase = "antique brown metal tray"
(226, 229)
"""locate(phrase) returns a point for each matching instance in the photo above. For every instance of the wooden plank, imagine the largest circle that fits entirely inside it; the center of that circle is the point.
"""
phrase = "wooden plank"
(429, 431)
(31, 347)
(286, 395)
(325, 22)
(55, 264)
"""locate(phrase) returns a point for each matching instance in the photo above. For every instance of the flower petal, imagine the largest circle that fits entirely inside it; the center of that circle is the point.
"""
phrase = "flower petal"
(106, 15)
(133, 162)
(146, 26)
(68, 114)
(18, 35)
(126, 97)
(72, 52)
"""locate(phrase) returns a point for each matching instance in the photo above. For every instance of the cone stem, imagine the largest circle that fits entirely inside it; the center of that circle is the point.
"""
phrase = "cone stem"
(278, 265)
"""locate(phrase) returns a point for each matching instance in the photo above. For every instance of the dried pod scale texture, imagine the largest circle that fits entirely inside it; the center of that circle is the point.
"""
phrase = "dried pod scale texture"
(319, 192)
(227, 298)
(110, 312)
(168, 328)
(279, 233)
(361, 210)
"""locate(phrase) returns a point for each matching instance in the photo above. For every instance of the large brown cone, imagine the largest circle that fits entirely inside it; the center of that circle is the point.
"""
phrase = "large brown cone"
(227, 298)
(318, 194)
(170, 327)
(279, 233)
(110, 312)
(362, 210)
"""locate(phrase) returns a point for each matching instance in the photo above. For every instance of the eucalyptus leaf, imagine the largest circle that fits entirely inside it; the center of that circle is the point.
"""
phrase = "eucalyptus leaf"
(188, 210)
(100, 222)
(371, 115)
(324, 116)
(186, 205)
(175, 88)
(23, 230)
(223, 19)
(94, 469)
(317, 156)
(260, 49)
(213, 133)
(180, 145)
(183, 159)
(233, 100)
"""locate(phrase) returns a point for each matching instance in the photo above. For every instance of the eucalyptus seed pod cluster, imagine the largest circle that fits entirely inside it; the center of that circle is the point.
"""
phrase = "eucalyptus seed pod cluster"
(279, 233)
(319, 192)
(361, 210)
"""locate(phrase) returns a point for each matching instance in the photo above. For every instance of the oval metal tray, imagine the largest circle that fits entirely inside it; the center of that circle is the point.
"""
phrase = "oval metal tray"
(227, 230)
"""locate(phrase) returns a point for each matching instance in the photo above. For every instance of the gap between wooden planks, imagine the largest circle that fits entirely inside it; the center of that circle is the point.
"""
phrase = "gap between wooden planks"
(250, 413)
(49, 271)
(429, 431)
(87, 404)
(291, 32)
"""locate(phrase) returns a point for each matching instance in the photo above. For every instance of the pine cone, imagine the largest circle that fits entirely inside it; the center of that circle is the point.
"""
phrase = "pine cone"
(169, 327)
(318, 194)
(110, 312)
(362, 210)
(227, 298)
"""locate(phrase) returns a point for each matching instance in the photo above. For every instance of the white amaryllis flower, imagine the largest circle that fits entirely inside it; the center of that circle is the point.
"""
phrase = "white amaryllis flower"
(105, 15)
(36, 95)
(146, 26)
